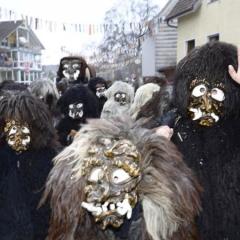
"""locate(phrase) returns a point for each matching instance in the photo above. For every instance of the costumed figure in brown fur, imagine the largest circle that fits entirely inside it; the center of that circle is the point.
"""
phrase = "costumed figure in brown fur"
(73, 70)
(118, 180)
(207, 132)
(27, 147)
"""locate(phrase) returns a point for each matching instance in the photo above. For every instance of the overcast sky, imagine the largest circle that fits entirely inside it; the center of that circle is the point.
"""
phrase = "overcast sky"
(68, 11)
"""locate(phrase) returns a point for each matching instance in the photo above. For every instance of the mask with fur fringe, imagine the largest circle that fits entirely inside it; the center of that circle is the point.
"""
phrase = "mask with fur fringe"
(168, 190)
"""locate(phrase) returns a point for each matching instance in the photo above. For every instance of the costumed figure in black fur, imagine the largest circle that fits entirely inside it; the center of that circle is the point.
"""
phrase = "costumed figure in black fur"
(46, 90)
(77, 104)
(207, 132)
(27, 147)
(99, 87)
(73, 70)
(117, 181)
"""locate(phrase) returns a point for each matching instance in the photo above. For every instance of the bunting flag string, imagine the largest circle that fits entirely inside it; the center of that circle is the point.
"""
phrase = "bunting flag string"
(90, 29)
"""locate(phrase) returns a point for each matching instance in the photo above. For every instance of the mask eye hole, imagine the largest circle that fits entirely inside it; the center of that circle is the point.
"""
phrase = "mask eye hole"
(217, 94)
(95, 174)
(118, 95)
(120, 176)
(123, 95)
(13, 130)
(25, 129)
(79, 105)
(199, 90)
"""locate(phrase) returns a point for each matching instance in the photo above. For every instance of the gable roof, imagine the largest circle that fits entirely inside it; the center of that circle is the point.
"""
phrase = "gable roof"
(8, 27)
(183, 7)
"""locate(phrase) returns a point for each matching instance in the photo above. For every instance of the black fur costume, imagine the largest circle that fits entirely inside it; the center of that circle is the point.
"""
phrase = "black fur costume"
(23, 174)
(168, 192)
(75, 94)
(92, 86)
(212, 152)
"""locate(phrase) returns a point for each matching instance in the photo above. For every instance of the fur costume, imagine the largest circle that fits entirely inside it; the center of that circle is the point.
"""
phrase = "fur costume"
(10, 85)
(123, 94)
(74, 70)
(74, 97)
(117, 161)
(46, 90)
(206, 131)
(110, 109)
(155, 109)
(142, 95)
(99, 87)
(27, 146)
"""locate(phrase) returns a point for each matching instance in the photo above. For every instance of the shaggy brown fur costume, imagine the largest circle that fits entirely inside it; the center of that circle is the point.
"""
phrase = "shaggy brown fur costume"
(168, 192)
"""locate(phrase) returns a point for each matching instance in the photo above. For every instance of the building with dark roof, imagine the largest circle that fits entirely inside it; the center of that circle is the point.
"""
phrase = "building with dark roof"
(20, 52)
(202, 21)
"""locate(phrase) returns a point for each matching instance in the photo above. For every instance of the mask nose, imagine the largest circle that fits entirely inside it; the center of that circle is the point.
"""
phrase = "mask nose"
(206, 102)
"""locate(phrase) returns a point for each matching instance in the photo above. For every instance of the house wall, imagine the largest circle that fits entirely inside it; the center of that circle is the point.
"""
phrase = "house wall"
(221, 17)
(166, 46)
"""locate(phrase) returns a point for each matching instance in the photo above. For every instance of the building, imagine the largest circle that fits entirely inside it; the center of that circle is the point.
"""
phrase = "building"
(201, 21)
(159, 50)
(20, 52)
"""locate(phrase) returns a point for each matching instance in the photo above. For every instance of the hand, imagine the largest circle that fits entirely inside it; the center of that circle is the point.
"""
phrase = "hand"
(165, 131)
(73, 133)
(235, 75)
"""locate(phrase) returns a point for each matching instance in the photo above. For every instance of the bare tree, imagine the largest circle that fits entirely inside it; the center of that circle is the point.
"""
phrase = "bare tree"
(125, 23)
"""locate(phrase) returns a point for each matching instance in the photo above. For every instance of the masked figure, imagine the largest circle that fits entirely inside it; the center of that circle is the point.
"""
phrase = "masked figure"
(99, 87)
(73, 70)
(123, 94)
(76, 104)
(28, 145)
(206, 131)
(118, 180)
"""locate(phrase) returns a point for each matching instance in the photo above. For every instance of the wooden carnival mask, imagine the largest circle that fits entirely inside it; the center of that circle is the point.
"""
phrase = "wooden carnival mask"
(206, 102)
(112, 174)
(17, 135)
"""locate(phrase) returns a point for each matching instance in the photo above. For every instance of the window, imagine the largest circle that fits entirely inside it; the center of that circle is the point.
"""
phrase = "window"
(190, 45)
(213, 38)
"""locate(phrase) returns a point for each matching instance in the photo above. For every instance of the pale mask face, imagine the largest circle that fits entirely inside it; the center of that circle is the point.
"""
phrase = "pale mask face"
(17, 135)
(100, 90)
(120, 98)
(71, 69)
(206, 103)
(75, 110)
(112, 174)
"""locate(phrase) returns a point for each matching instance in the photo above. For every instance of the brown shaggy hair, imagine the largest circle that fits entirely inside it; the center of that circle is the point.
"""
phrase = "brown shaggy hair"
(169, 192)
(25, 107)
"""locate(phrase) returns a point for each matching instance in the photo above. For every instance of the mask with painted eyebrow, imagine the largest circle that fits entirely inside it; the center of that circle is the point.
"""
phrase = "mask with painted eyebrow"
(112, 174)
